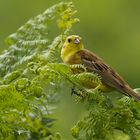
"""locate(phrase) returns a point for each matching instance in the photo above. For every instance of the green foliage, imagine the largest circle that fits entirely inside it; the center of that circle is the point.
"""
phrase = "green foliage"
(29, 82)
(108, 120)
(32, 76)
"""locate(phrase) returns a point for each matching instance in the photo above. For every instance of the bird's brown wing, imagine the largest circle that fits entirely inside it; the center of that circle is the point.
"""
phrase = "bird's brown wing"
(110, 77)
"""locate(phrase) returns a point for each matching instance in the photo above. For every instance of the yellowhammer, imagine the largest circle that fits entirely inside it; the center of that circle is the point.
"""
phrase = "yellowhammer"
(73, 52)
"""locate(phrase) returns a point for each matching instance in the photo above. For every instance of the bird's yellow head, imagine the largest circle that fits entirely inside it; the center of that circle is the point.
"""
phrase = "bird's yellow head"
(71, 45)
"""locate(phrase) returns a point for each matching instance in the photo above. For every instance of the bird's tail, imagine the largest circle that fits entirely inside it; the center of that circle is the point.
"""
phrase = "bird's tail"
(129, 91)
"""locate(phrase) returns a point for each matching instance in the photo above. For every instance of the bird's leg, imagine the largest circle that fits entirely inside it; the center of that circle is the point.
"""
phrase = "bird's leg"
(73, 91)
(78, 92)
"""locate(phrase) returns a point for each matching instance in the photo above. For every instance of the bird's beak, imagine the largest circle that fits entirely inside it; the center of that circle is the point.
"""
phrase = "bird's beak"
(76, 41)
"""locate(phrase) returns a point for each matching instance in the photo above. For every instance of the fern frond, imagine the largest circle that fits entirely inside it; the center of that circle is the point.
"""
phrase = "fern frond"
(78, 67)
(28, 83)
(53, 54)
(88, 77)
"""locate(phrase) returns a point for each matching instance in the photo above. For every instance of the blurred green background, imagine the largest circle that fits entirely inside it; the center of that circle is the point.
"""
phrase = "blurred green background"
(110, 28)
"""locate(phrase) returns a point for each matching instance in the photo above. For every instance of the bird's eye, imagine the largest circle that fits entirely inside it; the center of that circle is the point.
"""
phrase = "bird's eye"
(69, 40)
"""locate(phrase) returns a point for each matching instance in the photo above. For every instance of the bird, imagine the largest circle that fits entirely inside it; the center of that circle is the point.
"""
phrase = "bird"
(73, 53)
